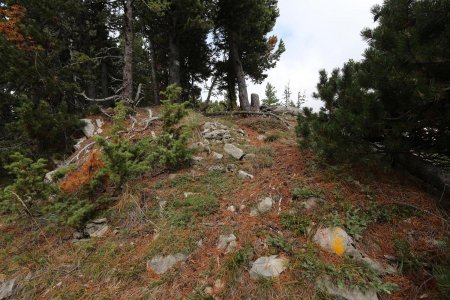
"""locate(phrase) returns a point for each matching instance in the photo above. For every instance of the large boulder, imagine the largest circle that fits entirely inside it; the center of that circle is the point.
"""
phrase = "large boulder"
(255, 103)
(89, 128)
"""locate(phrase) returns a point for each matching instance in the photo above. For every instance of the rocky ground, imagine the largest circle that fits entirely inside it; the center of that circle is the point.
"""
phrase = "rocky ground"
(254, 217)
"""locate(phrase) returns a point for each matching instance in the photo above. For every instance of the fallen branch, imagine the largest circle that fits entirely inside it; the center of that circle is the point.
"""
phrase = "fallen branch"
(111, 98)
(149, 120)
(77, 157)
(236, 113)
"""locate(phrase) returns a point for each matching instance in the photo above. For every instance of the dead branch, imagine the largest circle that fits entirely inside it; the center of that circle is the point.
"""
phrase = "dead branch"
(235, 113)
(111, 98)
(149, 120)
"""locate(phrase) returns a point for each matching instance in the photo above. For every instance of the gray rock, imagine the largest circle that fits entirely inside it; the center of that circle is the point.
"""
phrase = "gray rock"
(233, 151)
(231, 168)
(244, 175)
(336, 240)
(217, 156)
(345, 293)
(289, 110)
(261, 137)
(216, 168)
(199, 146)
(197, 160)
(97, 228)
(227, 243)
(265, 205)
(49, 176)
(231, 208)
(268, 266)
(312, 203)
(161, 264)
(219, 134)
(7, 288)
(89, 128)
(254, 212)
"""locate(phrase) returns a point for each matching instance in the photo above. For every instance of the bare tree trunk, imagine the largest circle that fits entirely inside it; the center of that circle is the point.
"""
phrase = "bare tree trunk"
(231, 90)
(104, 79)
(211, 89)
(174, 57)
(154, 80)
(240, 75)
(127, 92)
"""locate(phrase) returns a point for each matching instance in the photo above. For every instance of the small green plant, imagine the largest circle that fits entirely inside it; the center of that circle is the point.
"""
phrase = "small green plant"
(28, 187)
(305, 193)
(408, 260)
(172, 112)
(279, 243)
(119, 118)
(195, 206)
(296, 223)
(272, 137)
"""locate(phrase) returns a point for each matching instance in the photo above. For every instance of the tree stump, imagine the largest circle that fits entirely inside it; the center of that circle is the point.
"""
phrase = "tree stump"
(255, 103)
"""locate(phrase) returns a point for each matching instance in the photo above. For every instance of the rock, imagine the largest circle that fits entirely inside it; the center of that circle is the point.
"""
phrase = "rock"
(208, 290)
(216, 168)
(7, 288)
(254, 212)
(290, 110)
(345, 293)
(219, 134)
(89, 128)
(197, 159)
(268, 266)
(189, 194)
(217, 156)
(249, 156)
(265, 205)
(244, 175)
(219, 284)
(48, 178)
(231, 168)
(78, 235)
(231, 208)
(97, 228)
(200, 146)
(312, 203)
(99, 123)
(227, 243)
(161, 265)
(233, 151)
(242, 207)
(336, 240)
(261, 137)
(172, 176)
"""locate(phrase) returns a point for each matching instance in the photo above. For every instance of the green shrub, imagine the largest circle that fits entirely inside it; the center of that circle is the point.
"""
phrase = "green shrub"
(196, 206)
(69, 210)
(28, 184)
(305, 193)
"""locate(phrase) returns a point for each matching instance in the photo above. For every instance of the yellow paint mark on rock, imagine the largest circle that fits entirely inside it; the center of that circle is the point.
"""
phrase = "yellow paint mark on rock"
(338, 245)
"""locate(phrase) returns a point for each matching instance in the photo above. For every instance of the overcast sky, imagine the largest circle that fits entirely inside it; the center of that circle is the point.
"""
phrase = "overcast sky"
(318, 34)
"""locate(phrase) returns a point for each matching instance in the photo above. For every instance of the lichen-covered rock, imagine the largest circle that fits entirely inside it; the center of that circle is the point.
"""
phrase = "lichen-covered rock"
(345, 293)
(244, 175)
(7, 288)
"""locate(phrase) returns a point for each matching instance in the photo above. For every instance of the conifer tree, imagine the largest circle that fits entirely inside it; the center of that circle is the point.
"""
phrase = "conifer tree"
(271, 95)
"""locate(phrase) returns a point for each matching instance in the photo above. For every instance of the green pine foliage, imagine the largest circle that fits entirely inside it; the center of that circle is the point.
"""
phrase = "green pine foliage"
(28, 188)
(125, 159)
(271, 95)
(397, 98)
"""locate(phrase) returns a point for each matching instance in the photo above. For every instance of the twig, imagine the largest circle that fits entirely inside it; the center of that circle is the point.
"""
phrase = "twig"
(149, 120)
(78, 155)
(235, 113)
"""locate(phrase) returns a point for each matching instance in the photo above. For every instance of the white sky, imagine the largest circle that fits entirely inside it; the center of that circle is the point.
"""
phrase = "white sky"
(319, 34)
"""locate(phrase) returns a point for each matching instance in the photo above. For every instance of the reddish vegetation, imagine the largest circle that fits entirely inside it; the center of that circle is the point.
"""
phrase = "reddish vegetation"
(83, 175)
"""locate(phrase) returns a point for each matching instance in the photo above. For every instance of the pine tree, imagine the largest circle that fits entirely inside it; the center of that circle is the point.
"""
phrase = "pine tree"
(287, 94)
(271, 95)
(241, 34)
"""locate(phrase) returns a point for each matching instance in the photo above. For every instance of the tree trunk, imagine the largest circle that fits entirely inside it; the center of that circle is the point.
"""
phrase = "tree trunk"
(174, 57)
(127, 92)
(211, 89)
(256, 104)
(240, 75)
(154, 80)
(104, 80)
(231, 90)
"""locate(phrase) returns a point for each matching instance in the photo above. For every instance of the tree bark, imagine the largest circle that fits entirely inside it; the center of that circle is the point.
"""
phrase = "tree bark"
(127, 92)
(211, 89)
(240, 75)
(174, 56)
(154, 80)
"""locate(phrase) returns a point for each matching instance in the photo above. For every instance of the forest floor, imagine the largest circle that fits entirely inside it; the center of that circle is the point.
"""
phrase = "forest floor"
(390, 218)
